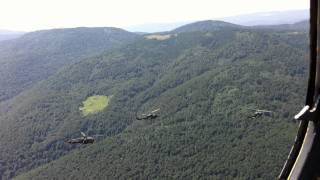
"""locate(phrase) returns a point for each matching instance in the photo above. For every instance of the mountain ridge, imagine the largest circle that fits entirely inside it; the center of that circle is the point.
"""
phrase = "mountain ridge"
(205, 26)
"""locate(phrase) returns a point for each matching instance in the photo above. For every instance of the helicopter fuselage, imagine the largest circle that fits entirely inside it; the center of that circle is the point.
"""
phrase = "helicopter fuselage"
(88, 140)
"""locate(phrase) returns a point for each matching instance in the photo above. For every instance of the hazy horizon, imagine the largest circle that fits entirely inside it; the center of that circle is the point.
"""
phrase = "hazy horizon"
(237, 19)
(45, 14)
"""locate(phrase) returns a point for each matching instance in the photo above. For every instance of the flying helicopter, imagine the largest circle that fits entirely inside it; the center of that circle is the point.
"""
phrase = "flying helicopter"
(82, 140)
(260, 112)
(152, 115)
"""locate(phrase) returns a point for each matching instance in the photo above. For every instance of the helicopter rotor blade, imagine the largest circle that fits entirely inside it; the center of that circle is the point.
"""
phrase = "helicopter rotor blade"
(83, 134)
(155, 110)
(259, 110)
(265, 111)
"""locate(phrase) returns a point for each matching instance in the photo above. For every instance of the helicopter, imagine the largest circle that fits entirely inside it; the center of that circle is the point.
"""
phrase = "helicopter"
(82, 140)
(260, 112)
(152, 115)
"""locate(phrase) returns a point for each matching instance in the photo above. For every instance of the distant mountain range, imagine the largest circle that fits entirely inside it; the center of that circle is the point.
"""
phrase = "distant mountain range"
(253, 19)
(269, 18)
(263, 18)
(6, 34)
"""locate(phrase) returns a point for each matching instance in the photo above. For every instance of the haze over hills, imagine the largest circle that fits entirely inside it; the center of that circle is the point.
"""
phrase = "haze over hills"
(7, 35)
(300, 25)
(269, 18)
(262, 18)
(204, 76)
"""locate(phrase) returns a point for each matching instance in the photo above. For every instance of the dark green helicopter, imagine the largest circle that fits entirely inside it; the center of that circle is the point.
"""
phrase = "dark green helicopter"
(259, 113)
(82, 140)
(152, 115)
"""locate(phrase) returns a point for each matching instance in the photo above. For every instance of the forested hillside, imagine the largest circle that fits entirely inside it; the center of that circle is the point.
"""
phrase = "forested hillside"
(206, 26)
(295, 27)
(204, 81)
(37, 55)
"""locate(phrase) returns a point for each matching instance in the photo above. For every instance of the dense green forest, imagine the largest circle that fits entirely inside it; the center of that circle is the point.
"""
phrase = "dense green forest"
(37, 55)
(205, 79)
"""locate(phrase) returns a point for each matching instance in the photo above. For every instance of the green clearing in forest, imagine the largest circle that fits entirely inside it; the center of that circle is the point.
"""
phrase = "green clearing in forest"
(94, 104)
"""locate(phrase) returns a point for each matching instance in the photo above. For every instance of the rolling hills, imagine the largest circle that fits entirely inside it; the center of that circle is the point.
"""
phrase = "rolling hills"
(37, 55)
(205, 79)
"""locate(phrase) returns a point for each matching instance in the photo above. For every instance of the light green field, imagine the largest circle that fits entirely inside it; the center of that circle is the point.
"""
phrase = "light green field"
(160, 37)
(94, 104)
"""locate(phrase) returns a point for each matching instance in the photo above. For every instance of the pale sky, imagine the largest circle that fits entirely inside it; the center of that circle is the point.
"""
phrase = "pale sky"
(29, 15)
